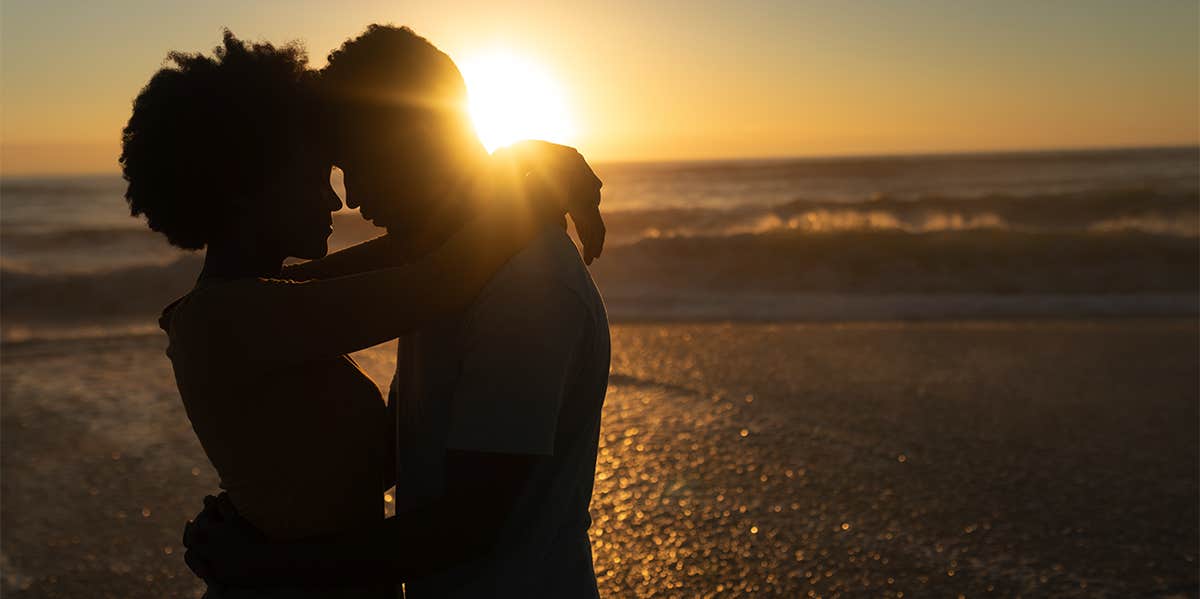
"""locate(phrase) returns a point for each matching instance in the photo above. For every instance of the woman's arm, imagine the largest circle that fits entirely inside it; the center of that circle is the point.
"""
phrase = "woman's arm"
(223, 548)
(556, 168)
(373, 254)
(282, 320)
(272, 319)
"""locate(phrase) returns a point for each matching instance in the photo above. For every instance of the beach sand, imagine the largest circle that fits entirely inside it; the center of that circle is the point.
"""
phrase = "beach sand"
(1003, 458)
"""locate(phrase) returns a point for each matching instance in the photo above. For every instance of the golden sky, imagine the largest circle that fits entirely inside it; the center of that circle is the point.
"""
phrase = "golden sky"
(671, 80)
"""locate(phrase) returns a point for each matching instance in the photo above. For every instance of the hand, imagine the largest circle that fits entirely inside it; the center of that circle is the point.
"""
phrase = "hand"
(563, 173)
(220, 543)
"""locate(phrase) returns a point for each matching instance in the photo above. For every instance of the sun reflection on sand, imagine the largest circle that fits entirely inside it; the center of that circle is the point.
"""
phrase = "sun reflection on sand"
(850, 485)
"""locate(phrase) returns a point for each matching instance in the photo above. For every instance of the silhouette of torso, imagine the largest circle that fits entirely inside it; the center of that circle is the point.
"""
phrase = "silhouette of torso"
(299, 446)
(523, 371)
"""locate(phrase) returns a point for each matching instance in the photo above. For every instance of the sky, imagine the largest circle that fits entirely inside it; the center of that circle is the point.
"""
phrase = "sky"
(671, 80)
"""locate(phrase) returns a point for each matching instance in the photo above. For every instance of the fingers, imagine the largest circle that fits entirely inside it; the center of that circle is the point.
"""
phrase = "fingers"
(192, 540)
(225, 507)
(582, 188)
(199, 566)
(597, 240)
(189, 534)
(560, 173)
(195, 532)
(589, 226)
(563, 162)
(210, 503)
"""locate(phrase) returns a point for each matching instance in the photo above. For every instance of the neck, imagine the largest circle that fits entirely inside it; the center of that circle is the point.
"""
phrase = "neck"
(231, 260)
(454, 211)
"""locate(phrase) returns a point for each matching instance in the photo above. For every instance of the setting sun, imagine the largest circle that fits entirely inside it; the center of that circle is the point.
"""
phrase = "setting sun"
(513, 99)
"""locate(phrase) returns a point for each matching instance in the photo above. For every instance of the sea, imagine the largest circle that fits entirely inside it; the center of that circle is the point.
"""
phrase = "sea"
(955, 236)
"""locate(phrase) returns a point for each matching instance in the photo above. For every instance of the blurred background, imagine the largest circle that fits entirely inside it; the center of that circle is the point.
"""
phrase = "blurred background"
(904, 295)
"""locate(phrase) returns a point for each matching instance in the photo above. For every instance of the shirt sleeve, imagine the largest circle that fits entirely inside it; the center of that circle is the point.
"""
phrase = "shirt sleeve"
(520, 348)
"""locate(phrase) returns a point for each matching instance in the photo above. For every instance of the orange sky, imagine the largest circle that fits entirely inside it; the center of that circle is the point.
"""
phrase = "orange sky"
(673, 80)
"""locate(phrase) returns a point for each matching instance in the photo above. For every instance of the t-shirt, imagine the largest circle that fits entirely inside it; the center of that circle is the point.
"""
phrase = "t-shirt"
(523, 371)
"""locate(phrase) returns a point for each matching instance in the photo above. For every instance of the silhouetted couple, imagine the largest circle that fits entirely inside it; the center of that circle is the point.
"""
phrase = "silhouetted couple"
(504, 346)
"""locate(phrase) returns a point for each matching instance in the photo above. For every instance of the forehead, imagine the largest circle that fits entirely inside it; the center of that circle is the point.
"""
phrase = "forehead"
(418, 139)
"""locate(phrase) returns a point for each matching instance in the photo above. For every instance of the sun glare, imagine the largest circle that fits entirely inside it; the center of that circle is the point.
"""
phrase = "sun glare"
(513, 99)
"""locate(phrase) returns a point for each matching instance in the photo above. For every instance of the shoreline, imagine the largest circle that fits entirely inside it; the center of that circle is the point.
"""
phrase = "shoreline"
(753, 308)
(668, 162)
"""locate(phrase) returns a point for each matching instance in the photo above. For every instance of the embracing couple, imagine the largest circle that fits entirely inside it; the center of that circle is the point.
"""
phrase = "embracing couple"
(491, 429)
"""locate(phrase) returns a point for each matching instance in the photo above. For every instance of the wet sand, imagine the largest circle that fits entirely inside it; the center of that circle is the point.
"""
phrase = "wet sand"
(1008, 458)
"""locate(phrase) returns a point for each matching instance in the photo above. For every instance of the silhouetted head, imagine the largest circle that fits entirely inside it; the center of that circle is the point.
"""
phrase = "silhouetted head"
(226, 147)
(403, 135)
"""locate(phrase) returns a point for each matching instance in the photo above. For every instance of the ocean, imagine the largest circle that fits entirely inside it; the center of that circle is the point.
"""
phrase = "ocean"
(929, 376)
(892, 237)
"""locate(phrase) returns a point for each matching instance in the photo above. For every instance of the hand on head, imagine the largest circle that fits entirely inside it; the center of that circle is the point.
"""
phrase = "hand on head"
(559, 177)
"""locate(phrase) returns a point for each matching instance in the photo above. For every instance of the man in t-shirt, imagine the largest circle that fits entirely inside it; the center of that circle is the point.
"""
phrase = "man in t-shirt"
(498, 410)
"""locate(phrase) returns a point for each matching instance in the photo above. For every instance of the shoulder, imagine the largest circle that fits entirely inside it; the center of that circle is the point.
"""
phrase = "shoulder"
(203, 312)
(538, 283)
(550, 267)
(546, 255)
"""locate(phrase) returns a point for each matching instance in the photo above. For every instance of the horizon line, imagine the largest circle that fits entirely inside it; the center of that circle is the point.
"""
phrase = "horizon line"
(768, 157)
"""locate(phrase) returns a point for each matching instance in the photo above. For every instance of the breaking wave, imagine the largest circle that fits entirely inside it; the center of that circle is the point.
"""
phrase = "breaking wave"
(1144, 210)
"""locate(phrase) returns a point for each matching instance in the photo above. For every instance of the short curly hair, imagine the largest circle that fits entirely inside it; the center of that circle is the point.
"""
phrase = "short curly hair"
(392, 68)
(207, 129)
